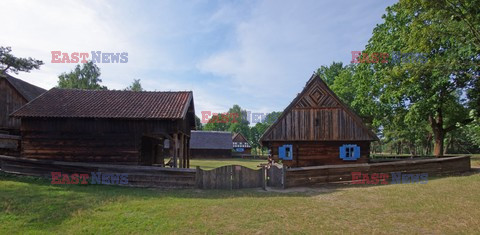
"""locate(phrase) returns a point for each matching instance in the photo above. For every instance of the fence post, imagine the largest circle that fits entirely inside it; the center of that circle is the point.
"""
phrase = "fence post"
(284, 176)
(198, 177)
(264, 177)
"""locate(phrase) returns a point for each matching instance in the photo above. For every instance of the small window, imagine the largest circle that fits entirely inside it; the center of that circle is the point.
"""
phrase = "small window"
(285, 152)
(349, 152)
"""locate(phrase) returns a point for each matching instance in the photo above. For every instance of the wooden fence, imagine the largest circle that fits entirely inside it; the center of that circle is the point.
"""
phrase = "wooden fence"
(230, 177)
(140, 176)
(234, 176)
(318, 175)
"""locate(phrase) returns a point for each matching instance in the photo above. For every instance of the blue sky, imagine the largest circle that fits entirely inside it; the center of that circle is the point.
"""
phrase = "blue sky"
(257, 54)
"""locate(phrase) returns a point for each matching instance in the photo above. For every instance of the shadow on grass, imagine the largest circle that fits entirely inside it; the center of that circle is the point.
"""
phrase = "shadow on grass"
(37, 204)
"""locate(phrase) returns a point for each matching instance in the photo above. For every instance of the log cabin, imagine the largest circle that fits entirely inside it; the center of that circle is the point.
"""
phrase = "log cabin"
(211, 144)
(317, 128)
(102, 126)
(14, 93)
(241, 147)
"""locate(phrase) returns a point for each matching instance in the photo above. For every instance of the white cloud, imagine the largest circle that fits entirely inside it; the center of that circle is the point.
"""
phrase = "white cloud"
(34, 29)
(257, 54)
(279, 47)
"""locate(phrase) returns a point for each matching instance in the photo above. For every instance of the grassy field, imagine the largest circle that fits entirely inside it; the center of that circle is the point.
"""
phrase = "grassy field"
(475, 160)
(208, 164)
(444, 205)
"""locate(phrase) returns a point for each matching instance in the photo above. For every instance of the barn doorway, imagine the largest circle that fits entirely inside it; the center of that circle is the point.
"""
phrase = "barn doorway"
(158, 147)
(153, 150)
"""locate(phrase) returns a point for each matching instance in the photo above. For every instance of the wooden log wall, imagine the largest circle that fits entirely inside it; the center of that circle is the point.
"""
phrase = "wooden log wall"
(316, 153)
(139, 176)
(89, 140)
(9, 145)
(319, 175)
(10, 100)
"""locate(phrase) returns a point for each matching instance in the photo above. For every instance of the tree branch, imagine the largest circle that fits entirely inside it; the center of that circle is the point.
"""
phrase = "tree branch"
(454, 126)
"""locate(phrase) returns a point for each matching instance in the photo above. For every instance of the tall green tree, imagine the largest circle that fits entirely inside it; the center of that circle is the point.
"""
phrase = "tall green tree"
(430, 90)
(11, 63)
(85, 77)
(329, 73)
(135, 86)
(218, 122)
(355, 86)
(240, 123)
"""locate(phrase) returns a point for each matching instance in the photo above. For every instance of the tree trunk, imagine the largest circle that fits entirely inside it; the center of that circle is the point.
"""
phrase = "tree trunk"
(412, 149)
(438, 147)
(438, 133)
(428, 149)
(438, 138)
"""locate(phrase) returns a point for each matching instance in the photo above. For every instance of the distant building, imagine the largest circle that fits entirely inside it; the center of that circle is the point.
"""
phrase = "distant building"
(241, 147)
(14, 93)
(211, 144)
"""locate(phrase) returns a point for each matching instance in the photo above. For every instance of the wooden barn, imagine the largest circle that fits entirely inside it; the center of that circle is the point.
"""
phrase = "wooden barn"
(124, 127)
(14, 93)
(211, 144)
(317, 128)
(241, 147)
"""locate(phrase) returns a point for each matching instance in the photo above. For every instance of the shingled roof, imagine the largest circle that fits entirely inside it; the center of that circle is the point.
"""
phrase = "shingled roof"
(27, 90)
(316, 95)
(211, 140)
(108, 104)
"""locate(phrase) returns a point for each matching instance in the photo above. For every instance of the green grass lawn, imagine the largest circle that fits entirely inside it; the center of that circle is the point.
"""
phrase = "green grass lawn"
(475, 159)
(208, 164)
(444, 205)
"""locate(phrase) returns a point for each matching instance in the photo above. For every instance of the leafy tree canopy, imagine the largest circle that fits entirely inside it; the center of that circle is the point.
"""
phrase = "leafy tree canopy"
(85, 77)
(10, 63)
(135, 86)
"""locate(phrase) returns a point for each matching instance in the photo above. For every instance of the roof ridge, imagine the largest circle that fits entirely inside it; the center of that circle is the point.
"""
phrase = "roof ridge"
(90, 90)
(26, 90)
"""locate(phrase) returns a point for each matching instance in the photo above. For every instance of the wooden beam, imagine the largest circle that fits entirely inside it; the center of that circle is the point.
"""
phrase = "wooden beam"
(181, 147)
(175, 149)
(188, 152)
(185, 152)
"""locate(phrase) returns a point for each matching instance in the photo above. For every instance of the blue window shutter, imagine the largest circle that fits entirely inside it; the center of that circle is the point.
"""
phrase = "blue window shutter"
(353, 152)
(342, 152)
(289, 157)
(356, 152)
(281, 152)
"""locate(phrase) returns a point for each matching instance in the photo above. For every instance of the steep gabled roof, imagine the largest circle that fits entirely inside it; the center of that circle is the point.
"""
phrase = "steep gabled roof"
(321, 105)
(239, 140)
(211, 140)
(108, 104)
(27, 90)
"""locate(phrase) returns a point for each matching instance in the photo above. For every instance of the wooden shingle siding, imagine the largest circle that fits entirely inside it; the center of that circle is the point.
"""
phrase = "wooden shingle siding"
(88, 140)
(318, 114)
(333, 124)
(316, 124)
